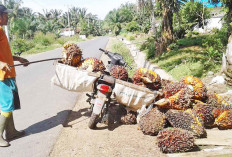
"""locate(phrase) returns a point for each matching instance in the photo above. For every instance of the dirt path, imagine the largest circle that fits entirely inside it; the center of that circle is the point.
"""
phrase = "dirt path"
(77, 139)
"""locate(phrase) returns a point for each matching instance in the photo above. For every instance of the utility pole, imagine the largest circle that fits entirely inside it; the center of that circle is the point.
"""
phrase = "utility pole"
(69, 23)
(6, 27)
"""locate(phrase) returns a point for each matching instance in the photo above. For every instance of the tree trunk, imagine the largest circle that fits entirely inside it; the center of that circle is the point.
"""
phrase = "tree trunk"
(227, 62)
(153, 24)
(167, 28)
(229, 18)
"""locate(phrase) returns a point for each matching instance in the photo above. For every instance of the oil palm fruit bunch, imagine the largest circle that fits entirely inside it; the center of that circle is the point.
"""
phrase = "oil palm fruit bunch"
(153, 122)
(173, 88)
(186, 120)
(182, 100)
(216, 100)
(92, 65)
(205, 112)
(165, 82)
(147, 78)
(200, 90)
(224, 120)
(129, 118)
(71, 54)
(119, 72)
(175, 140)
(219, 110)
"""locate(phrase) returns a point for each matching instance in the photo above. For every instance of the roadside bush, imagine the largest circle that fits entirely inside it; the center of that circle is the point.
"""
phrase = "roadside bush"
(61, 40)
(130, 37)
(21, 45)
(43, 39)
(215, 44)
(149, 47)
(132, 26)
(173, 46)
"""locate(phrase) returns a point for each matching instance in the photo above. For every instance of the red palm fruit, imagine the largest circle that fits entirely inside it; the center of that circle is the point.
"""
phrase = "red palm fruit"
(147, 78)
(175, 140)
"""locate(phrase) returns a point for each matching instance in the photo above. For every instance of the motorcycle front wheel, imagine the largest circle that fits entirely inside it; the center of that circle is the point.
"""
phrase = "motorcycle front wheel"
(93, 121)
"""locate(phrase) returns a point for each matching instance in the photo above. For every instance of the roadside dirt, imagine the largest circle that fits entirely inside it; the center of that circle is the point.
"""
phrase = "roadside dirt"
(77, 139)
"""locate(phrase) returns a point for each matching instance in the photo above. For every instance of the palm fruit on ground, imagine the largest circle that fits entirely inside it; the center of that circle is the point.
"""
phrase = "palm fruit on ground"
(200, 90)
(182, 100)
(119, 72)
(172, 88)
(147, 78)
(219, 104)
(224, 121)
(216, 100)
(153, 122)
(129, 118)
(92, 65)
(71, 54)
(165, 82)
(175, 140)
(186, 120)
(205, 112)
(219, 110)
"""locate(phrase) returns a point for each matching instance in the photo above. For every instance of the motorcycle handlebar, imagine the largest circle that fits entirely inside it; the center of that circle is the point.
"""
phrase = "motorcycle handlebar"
(105, 51)
(122, 61)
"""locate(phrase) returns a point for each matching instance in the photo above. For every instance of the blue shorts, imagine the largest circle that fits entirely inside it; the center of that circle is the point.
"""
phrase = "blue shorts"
(9, 99)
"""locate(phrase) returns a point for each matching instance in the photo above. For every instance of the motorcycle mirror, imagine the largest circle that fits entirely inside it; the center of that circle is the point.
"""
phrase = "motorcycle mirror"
(18, 53)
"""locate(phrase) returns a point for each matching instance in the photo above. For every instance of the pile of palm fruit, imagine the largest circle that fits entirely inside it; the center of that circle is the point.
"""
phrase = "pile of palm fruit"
(72, 55)
(185, 109)
(180, 114)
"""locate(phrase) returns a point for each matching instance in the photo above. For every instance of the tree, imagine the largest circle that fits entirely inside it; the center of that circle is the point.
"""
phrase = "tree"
(114, 22)
(169, 7)
(189, 15)
(228, 17)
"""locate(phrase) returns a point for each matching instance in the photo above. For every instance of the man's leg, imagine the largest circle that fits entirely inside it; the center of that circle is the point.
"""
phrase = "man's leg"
(11, 132)
(3, 121)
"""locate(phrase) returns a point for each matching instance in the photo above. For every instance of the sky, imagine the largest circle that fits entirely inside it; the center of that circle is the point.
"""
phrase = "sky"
(97, 7)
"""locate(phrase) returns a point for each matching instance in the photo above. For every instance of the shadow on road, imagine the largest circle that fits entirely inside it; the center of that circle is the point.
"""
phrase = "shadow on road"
(60, 118)
(54, 121)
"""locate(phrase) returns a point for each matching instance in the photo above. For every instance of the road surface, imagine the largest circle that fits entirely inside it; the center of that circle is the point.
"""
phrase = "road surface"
(44, 107)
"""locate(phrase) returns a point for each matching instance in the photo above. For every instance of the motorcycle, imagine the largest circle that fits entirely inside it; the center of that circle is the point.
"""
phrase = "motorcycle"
(100, 99)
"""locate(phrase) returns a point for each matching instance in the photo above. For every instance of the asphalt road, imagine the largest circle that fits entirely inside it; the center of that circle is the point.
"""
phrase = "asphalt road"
(44, 107)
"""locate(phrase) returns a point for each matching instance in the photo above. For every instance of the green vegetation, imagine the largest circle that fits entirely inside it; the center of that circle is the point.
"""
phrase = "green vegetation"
(41, 43)
(187, 61)
(195, 55)
(33, 32)
(120, 48)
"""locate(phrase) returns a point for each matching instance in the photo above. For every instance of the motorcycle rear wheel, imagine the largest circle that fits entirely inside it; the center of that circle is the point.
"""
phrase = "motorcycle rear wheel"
(93, 121)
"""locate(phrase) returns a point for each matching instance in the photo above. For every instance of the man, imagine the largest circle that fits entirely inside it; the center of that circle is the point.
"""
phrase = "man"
(9, 99)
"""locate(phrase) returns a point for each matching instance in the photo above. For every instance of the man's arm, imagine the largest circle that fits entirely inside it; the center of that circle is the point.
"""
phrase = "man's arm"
(21, 60)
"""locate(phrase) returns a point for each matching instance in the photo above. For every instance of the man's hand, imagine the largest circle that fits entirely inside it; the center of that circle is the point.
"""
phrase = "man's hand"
(23, 60)
(4, 66)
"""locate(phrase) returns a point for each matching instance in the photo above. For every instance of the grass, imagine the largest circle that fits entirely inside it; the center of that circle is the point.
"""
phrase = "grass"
(185, 61)
(118, 47)
(196, 55)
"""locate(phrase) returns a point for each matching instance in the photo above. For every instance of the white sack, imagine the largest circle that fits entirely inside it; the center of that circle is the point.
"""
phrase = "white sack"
(71, 79)
(133, 98)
